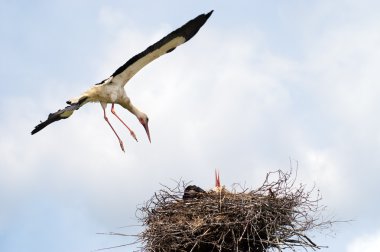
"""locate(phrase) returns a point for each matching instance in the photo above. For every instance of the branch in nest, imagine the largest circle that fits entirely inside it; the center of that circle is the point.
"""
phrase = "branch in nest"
(276, 215)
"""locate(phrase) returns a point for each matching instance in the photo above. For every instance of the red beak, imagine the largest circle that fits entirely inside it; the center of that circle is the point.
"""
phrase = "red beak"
(147, 130)
(217, 179)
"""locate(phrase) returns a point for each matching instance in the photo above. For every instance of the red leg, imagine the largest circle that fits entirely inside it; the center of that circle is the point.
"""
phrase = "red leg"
(130, 131)
(105, 118)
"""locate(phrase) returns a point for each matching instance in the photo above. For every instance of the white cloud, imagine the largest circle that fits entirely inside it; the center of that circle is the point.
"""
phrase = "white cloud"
(111, 17)
(194, 115)
(365, 243)
(227, 102)
(234, 105)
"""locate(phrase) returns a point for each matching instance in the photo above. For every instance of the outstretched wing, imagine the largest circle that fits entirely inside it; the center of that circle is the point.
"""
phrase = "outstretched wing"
(60, 114)
(167, 44)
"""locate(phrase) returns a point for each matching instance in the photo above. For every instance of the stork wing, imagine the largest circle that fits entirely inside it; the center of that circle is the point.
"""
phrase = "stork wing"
(167, 44)
(60, 114)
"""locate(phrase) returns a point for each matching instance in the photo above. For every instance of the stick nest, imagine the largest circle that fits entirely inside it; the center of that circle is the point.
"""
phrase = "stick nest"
(273, 217)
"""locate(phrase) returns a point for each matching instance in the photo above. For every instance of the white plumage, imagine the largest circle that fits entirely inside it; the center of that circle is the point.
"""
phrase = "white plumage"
(111, 90)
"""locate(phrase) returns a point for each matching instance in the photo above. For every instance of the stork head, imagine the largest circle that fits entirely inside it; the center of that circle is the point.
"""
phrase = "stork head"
(143, 119)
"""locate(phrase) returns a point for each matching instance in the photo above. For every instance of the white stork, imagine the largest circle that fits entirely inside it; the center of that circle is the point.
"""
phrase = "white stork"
(111, 90)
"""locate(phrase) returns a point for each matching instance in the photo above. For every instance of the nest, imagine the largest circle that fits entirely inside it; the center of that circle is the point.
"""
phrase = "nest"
(275, 216)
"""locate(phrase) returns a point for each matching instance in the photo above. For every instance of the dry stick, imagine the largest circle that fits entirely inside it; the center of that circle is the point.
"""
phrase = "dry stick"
(268, 220)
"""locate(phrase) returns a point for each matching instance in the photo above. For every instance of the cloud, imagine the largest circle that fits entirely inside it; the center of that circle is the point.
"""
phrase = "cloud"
(365, 243)
(227, 99)
(191, 112)
(238, 105)
(110, 16)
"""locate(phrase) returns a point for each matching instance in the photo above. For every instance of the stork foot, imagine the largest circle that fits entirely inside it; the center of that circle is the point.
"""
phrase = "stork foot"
(134, 135)
(122, 146)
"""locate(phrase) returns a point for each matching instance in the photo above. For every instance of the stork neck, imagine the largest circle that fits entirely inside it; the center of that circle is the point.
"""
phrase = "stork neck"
(134, 110)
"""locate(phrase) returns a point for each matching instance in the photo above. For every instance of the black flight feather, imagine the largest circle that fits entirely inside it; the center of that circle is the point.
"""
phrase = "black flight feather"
(60, 114)
(186, 31)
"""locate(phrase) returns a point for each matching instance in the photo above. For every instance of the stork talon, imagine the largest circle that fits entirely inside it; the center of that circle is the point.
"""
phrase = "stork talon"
(134, 135)
(111, 90)
(122, 146)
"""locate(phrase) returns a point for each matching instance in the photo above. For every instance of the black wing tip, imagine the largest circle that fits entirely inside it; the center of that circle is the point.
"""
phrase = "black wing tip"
(45, 123)
(35, 131)
(53, 117)
(187, 31)
(192, 27)
(39, 127)
(209, 14)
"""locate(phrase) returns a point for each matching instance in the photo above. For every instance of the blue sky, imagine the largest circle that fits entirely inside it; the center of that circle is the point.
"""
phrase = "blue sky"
(260, 83)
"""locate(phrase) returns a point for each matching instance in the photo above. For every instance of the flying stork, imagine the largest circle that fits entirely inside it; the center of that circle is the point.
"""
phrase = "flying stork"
(111, 90)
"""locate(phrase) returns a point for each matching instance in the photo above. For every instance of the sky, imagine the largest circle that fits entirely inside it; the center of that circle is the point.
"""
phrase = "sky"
(262, 83)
